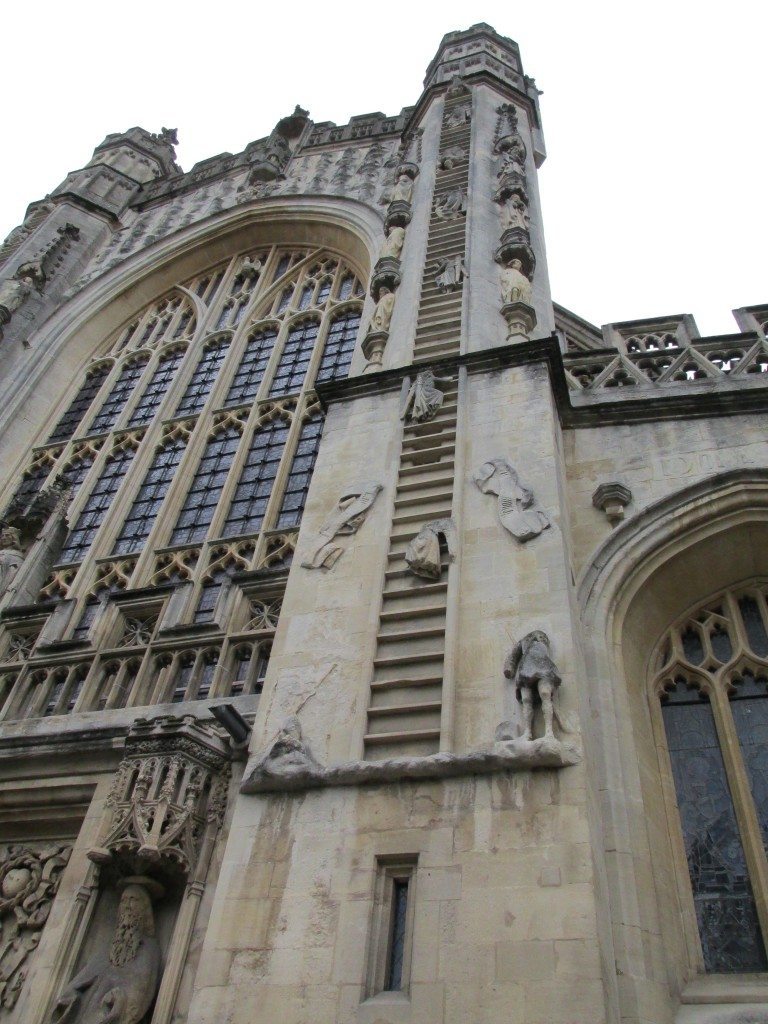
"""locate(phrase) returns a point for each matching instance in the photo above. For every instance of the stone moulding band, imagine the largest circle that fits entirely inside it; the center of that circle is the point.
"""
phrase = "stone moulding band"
(514, 756)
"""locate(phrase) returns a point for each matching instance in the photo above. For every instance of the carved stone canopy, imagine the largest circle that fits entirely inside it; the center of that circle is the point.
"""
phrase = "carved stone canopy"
(386, 274)
(398, 214)
(169, 793)
(512, 248)
(612, 498)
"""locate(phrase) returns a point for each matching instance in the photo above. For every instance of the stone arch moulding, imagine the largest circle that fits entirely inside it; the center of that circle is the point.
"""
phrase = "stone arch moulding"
(62, 346)
(710, 534)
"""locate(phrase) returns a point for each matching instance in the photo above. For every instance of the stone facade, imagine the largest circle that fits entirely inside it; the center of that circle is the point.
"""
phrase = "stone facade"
(380, 642)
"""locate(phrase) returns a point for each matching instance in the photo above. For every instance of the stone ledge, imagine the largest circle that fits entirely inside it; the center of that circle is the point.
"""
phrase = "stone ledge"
(281, 774)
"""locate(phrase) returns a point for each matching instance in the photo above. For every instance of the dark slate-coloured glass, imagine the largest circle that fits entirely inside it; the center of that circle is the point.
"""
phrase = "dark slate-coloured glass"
(146, 505)
(250, 372)
(339, 346)
(205, 490)
(68, 423)
(722, 893)
(294, 359)
(156, 390)
(76, 473)
(300, 474)
(249, 504)
(749, 706)
(394, 980)
(754, 625)
(203, 379)
(119, 395)
(95, 509)
(693, 649)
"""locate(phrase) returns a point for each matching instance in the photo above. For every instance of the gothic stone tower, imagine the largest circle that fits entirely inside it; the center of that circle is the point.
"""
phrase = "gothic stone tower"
(380, 642)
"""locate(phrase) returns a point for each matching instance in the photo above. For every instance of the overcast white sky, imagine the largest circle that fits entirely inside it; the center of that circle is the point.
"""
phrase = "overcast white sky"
(654, 115)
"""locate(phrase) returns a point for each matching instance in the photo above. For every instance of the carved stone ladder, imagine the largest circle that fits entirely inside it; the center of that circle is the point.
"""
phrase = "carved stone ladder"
(406, 707)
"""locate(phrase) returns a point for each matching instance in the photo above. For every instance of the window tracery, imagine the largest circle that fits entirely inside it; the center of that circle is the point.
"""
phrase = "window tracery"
(712, 691)
(220, 401)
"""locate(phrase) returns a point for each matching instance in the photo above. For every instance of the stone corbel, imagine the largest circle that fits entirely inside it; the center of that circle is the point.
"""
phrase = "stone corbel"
(612, 498)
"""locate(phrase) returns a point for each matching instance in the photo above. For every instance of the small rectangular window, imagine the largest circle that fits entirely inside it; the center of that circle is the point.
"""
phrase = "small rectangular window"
(391, 940)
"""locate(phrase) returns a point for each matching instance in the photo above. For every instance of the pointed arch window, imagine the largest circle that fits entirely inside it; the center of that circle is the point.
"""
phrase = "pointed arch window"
(205, 490)
(300, 473)
(81, 403)
(157, 388)
(295, 358)
(339, 346)
(154, 487)
(96, 507)
(203, 378)
(119, 395)
(253, 365)
(712, 687)
(249, 504)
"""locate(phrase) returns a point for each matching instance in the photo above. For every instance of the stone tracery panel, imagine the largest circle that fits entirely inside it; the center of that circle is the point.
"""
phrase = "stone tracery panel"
(234, 351)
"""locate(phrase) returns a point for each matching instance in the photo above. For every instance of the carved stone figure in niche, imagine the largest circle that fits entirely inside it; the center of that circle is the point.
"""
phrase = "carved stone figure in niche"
(29, 879)
(449, 273)
(515, 500)
(452, 156)
(393, 243)
(513, 159)
(346, 518)
(118, 984)
(382, 313)
(403, 190)
(11, 556)
(16, 290)
(515, 286)
(535, 677)
(451, 205)
(424, 400)
(423, 554)
(288, 755)
(457, 117)
(514, 214)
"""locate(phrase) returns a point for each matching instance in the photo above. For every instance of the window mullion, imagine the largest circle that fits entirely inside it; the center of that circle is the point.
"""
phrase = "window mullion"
(744, 807)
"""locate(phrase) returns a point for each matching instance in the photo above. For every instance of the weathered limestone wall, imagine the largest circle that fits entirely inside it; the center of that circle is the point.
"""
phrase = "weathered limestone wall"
(505, 921)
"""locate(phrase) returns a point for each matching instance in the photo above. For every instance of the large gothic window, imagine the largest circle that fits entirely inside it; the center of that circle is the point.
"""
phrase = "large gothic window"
(713, 692)
(188, 447)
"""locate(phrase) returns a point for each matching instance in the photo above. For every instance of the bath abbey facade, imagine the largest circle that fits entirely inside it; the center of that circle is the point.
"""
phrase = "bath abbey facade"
(380, 642)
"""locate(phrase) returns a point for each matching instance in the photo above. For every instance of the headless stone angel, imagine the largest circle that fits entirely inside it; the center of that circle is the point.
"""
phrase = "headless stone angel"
(534, 674)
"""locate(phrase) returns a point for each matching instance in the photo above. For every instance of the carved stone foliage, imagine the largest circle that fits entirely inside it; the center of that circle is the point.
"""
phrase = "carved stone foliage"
(346, 518)
(169, 794)
(29, 879)
(515, 500)
(423, 555)
(34, 273)
(423, 400)
(118, 984)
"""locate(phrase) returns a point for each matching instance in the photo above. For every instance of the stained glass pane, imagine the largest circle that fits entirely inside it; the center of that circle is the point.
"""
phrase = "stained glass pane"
(206, 487)
(95, 509)
(394, 980)
(250, 372)
(339, 346)
(143, 512)
(721, 645)
(750, 714)
(119, 395)
(300, 475)
(156, 389)
(754, 625)
(693, 647)
(722, 894)
(65, 428)
(249, 504)
(203, 379)
(295, 358)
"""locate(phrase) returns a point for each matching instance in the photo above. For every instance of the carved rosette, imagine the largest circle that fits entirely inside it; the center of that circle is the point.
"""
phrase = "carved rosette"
(169, 795)
(29, 880)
